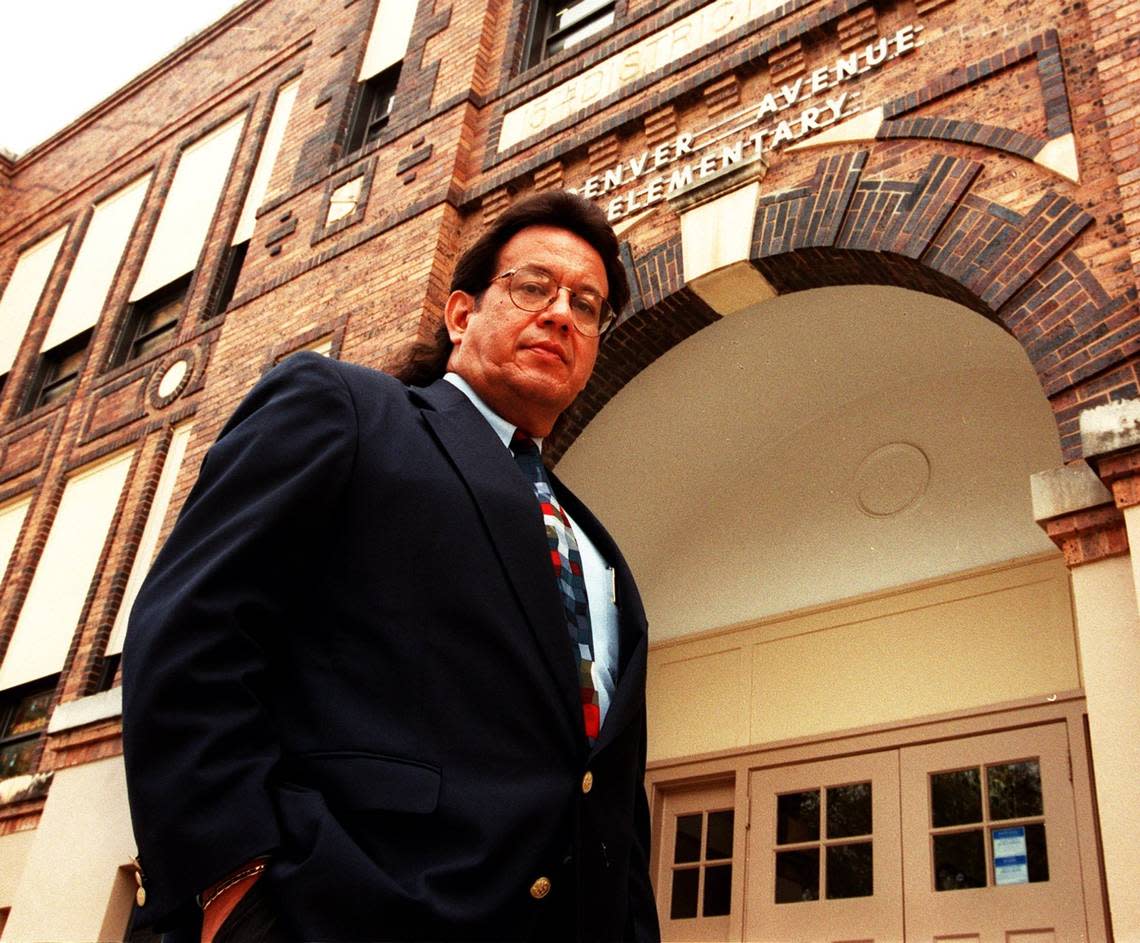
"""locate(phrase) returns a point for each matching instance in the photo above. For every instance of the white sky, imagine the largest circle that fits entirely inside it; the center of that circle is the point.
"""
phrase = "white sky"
(59, 58)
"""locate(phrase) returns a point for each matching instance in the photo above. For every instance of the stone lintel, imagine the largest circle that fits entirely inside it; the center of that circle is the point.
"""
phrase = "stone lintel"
(105, 705)
(717, 218)
(1065, 489)
(1110, 428)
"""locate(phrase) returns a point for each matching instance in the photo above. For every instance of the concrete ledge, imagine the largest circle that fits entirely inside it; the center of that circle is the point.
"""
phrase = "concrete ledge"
(1066, 489)
(87, 710)
(1110, 428)
(24, 788)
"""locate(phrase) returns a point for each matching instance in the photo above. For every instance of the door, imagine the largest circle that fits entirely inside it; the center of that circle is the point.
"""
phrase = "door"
(697, 838)
(823, 852)
(990, 839)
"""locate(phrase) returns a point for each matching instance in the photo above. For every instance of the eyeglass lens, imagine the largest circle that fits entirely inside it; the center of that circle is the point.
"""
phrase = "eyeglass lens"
(533, 290)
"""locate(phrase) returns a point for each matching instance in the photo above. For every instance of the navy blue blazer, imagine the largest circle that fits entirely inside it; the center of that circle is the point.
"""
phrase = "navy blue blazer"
(350, 656)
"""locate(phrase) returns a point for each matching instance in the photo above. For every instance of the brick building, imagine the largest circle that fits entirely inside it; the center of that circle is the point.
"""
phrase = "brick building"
(867, 432)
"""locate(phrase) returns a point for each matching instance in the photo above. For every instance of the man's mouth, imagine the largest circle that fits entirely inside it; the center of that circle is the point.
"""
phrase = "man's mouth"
(550, 348)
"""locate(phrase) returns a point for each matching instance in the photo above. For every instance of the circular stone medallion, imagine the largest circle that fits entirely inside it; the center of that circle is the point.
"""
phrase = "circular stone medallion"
(891, 479)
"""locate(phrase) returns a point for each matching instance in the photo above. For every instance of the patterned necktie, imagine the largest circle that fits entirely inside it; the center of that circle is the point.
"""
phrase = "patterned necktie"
(567, 561)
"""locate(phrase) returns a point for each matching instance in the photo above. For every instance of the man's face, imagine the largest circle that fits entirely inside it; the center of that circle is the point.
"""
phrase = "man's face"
(528, 365)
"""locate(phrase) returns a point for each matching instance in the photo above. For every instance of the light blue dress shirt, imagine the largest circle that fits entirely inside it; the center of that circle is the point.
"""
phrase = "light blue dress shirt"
(598, 574)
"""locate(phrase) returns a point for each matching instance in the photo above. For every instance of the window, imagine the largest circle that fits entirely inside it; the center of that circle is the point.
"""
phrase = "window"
(559, 24)
(702, 854)
(22, 294)
(150, 322)
(188, 210)
(373, 107)
(89, 283)
(829, 827)
(23, 719)
(58, 372)
(1002, 801)
(148, 543)
(697, 838)
(60, 585)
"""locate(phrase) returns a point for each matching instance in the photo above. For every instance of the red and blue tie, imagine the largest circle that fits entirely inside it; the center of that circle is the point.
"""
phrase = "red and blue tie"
(567, 562)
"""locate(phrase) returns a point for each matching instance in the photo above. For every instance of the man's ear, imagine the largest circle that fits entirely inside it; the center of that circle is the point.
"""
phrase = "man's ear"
(456, 312)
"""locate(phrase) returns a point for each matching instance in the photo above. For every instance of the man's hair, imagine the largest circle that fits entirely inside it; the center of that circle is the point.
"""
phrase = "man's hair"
(479, 264)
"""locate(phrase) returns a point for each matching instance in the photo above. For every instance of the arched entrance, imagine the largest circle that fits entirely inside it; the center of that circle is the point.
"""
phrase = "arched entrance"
(855, 619)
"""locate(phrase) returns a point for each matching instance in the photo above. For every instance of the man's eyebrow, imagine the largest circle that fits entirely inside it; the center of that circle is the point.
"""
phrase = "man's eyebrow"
(593, 289)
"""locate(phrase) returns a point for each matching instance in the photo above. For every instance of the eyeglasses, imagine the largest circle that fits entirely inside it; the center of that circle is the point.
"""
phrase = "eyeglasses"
(532, 289)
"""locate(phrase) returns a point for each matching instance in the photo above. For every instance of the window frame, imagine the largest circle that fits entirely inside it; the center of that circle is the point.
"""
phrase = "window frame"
(373, 96)
(541, 32)
(10, 703)
(50, 386)
(135, 328)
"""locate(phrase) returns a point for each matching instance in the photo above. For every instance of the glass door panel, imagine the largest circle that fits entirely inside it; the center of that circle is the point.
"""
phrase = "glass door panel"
(823, 851)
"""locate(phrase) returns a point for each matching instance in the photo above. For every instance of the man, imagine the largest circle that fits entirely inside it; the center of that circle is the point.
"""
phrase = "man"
(363, 698)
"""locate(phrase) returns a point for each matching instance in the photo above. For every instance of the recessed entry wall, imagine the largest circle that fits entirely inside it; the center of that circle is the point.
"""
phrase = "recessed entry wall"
(817, 447)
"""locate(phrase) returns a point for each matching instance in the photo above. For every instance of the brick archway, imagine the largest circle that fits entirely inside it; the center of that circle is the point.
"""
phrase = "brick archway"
(933, 234)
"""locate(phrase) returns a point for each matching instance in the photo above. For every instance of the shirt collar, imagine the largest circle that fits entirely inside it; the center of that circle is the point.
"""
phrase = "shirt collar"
(503, 429)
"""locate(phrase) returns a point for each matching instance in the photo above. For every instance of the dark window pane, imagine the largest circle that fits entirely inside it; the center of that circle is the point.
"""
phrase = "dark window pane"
(1015, 790)
(718, 890)
(688, 847)
(959, 861)
(1020, 855)
(1038, 854)
(684, 903)
(850, 871)
(955, 798)
(18, 758)
(797, 876)
(718, 842)
(849, 810)
(797, 817)
(30, 714)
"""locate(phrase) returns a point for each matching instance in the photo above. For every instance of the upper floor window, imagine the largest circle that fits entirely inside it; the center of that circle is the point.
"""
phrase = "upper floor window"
(22, 294)
(374, 100)
(187, 215)
(559, 25)
(151, 321)
(24, 715)
(58, 371)
(380, 71)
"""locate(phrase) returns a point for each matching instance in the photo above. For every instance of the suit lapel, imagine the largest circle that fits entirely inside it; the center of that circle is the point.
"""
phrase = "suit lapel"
(511, 515)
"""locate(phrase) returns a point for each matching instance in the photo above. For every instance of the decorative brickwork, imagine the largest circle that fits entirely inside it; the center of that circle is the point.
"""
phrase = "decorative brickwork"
(786, 63)
(1115, 28)
(721, 96)
(603, 152)
(857, 29)
(661, 126)
(1089, 536)
(84, 745)
(1122, 474)
(549, 177)
(934, 235)
(494, 204)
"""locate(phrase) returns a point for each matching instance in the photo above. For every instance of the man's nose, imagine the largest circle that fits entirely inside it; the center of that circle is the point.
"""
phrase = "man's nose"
(558, 312)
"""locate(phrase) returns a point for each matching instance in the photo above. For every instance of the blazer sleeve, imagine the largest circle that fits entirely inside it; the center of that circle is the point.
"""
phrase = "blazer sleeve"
(199, 743)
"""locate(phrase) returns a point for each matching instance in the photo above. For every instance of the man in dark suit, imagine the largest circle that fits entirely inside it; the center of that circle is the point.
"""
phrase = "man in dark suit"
(386, 679)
